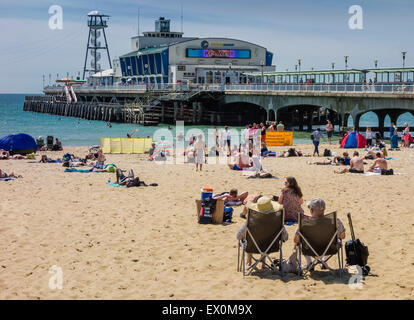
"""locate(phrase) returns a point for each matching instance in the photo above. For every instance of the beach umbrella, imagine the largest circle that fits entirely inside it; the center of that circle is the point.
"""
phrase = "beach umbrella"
(20, 143)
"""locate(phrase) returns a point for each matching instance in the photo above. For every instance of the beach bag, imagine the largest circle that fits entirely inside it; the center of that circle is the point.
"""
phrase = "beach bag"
(327, 153)
(292, 152)
(356, 254)
(291, 265)
(389, 172)
(205, 215)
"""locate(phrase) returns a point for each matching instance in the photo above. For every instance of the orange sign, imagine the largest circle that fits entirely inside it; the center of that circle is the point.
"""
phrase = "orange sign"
(277, 139)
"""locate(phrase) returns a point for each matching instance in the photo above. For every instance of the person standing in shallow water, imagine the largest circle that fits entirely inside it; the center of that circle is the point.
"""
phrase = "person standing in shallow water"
(329, 130)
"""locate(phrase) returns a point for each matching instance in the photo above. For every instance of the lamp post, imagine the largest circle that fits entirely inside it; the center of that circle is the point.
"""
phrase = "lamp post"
(43, 81)
(50, 79)
(262, 65)
(403, 57)
(346, 63)
(333, 65)
(376, 64)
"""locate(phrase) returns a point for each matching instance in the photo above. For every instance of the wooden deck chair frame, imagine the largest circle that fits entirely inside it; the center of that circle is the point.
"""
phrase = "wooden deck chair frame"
(319, 259)
(264, 254)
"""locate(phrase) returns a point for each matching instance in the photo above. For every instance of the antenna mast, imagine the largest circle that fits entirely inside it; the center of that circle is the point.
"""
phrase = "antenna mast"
(182, 19)
(138, 21)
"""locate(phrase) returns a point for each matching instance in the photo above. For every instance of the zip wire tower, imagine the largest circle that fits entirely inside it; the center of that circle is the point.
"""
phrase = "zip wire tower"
(97, 22)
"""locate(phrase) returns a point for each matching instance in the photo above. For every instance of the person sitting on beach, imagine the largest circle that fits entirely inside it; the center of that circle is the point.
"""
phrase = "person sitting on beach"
(241, 160)
(379, 164)
(250, 198)
(57, 146)
(291, 199)
(100, 161)
(264, 205)
(40, 143)
(232, 196)
(131, 180)
(317, 209)
(11, 175)
(356, 165)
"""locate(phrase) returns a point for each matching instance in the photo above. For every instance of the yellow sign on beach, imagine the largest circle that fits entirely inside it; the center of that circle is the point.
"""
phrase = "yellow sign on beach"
(276, 139)
(125, 145)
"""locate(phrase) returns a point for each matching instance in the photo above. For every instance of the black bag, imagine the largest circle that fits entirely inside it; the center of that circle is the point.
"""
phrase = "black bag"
(133, 182)
(205, 215)
(356, 252)
(389, 172)
(327, 153)
(312, 137)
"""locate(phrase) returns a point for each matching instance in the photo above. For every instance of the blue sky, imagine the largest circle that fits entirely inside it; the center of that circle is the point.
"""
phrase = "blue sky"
(315, 31)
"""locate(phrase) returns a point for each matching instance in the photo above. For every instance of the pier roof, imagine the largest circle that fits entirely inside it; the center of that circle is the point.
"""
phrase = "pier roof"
(316, 72)
(145, 51)
(391, 70)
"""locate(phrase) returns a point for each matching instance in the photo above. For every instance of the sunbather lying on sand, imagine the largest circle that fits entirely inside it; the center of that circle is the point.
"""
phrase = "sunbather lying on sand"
(130, 180)
(11, 175)
(5, 155)
(231, 196)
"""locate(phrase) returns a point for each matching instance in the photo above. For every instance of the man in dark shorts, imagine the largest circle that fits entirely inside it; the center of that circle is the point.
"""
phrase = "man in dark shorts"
(356, 165)
(329, 130)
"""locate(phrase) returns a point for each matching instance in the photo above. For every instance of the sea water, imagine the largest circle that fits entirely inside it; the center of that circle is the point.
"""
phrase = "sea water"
(81, 132)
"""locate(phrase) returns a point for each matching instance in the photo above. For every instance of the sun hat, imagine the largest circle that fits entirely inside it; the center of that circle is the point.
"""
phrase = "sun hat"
(316, 204)
(264, 205)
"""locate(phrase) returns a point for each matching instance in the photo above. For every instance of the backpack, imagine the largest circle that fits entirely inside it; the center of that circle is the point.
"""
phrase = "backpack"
(327, 153)
(205, 215)
(389, 172)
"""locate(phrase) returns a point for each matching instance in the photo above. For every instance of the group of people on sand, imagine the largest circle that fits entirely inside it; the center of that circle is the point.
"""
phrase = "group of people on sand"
(356, 163)
(290, 198)
(5, 155)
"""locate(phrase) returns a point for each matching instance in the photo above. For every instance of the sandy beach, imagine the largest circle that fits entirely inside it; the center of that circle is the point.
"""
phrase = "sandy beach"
(145, 242)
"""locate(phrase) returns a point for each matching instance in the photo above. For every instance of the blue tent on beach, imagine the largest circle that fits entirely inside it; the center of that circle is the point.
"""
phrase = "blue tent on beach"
(20, 143)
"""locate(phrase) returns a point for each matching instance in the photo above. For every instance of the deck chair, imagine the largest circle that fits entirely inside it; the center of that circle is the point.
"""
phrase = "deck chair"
(49, 143)
(263, 236)
(318, 238)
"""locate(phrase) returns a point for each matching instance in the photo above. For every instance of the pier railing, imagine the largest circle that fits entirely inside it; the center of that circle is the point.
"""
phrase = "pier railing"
(288, 87)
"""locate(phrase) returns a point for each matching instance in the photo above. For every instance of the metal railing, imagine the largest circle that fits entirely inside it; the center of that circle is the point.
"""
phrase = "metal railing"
(173, 87)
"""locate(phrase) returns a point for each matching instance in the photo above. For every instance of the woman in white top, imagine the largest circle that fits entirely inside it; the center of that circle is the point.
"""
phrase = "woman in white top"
(199, 148)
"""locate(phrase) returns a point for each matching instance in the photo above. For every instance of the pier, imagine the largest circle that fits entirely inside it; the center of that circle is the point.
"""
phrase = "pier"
(294, 104)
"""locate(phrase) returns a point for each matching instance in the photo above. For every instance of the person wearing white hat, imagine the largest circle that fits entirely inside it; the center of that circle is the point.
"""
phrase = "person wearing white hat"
(265, 206)
(317, 209)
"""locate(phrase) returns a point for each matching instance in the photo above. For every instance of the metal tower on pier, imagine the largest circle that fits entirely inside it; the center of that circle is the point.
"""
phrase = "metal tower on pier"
(97, 22)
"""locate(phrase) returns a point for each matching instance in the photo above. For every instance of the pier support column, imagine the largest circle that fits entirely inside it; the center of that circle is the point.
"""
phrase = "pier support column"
(162, 112)
(356, 121)
(194, 112)
(381, 117)
(301, 114)
(200, 112)
(310, 120)
(175, 111)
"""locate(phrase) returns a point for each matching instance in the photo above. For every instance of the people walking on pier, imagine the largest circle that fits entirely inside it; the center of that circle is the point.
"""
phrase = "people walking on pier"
(329, 130)
(316, 137)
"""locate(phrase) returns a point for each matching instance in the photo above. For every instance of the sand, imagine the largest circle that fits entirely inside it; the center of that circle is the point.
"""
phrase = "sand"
(145, 243)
